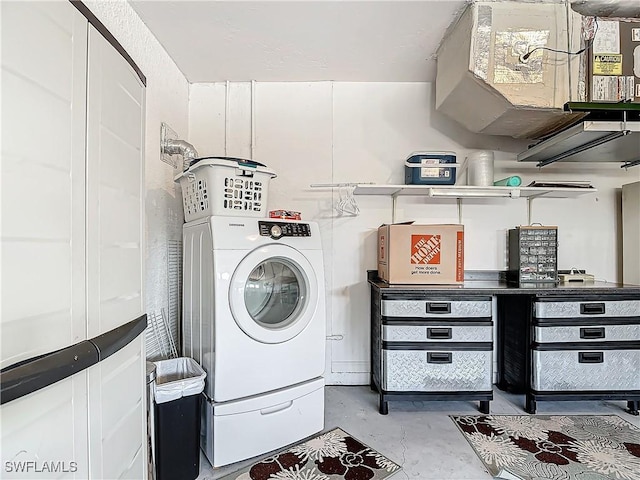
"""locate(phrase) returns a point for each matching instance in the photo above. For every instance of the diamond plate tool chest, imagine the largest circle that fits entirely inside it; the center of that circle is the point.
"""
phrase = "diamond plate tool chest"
(431, 346)
(571, 348)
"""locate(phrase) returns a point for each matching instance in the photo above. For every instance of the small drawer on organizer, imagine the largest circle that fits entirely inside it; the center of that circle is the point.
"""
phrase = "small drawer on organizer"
(458, 332)
(577, 333)
(586, 369)
(437, 370)
(441, 308)
(569, 308)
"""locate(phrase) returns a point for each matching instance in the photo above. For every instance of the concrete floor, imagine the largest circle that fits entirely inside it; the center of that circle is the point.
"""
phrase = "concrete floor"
(419, 435)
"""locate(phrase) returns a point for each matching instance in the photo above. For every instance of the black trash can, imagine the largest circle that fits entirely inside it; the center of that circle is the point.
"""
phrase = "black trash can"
(179, 382)
(151, 424)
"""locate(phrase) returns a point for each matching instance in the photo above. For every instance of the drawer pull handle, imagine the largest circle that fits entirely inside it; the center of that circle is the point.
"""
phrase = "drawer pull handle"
(591, 308)
(589, 333)
(590, 357)
(439, 333)
(276, 408)
(438, 357)
(438, 307)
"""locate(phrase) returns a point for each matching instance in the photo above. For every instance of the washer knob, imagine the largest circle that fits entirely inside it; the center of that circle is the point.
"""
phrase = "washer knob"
(276, 231)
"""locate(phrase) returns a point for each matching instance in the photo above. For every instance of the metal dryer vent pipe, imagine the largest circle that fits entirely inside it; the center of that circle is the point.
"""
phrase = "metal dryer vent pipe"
(180, 147)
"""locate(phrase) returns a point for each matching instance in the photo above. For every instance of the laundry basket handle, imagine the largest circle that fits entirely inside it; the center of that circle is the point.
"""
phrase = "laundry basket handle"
(241, 161)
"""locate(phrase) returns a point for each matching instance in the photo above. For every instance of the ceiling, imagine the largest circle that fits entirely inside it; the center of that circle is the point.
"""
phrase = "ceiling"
(372, 41)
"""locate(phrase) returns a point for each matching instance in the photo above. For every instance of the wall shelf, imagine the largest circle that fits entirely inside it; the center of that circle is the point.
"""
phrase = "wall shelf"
(465, 191)
(456, 192)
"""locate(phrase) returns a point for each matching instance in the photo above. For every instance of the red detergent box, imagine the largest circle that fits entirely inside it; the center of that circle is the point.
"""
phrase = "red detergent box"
(286, 214)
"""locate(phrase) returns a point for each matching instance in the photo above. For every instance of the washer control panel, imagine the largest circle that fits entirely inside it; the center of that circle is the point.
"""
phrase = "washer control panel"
(280, 229)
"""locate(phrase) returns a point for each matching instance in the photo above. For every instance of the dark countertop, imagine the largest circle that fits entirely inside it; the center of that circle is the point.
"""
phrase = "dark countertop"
(499, 287)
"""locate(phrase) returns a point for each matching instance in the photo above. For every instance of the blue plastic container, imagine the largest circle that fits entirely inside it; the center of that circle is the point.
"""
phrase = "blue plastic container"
(421, 168)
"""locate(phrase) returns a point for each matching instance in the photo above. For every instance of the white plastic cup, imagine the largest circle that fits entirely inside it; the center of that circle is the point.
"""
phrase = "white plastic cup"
(480, 168)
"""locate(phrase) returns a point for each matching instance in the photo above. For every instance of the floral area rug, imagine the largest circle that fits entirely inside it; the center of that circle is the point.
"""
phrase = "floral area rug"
(570, 447)
(330, 456)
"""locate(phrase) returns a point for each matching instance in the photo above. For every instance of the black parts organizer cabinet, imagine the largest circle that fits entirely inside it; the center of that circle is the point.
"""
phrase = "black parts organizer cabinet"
(427, 346)
(577, 347)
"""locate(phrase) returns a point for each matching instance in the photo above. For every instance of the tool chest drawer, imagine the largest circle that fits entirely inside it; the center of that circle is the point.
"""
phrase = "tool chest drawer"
(429, 345)
(436, 370)
(580, 334)
(580, 344)
(570, 308)
(451, 332)
(441, 308)
(593, 369)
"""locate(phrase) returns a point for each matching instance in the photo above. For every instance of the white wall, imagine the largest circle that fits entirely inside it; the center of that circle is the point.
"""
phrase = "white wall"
(326, 132)
(166, 101)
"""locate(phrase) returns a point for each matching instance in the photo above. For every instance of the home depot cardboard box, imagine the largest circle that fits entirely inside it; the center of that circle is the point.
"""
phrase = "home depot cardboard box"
(421, 254)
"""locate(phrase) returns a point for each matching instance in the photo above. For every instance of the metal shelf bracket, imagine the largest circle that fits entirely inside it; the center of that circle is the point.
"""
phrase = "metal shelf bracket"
(627, 165)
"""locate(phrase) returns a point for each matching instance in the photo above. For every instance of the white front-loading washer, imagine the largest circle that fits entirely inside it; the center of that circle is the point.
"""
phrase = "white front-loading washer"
(253, 303)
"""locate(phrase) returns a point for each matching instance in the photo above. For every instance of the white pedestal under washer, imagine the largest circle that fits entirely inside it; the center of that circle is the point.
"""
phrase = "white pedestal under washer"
(245, 428)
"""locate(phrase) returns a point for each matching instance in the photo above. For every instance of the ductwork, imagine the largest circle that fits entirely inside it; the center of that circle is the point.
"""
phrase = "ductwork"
(607, 8)
(180, 147)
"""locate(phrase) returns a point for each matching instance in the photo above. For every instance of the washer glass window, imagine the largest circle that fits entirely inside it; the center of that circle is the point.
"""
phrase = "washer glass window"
(275, 293)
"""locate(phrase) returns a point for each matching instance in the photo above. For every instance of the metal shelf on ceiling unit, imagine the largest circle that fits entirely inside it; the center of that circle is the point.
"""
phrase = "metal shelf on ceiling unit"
(610, 133)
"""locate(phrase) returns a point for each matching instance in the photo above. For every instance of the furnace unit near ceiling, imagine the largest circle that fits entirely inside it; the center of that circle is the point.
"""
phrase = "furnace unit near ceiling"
(496, 74)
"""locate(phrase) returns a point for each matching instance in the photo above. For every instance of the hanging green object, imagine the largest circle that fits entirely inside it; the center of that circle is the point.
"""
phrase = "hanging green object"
(514, 181)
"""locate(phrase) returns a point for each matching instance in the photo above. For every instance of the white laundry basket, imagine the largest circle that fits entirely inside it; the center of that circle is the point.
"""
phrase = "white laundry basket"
(225, 186)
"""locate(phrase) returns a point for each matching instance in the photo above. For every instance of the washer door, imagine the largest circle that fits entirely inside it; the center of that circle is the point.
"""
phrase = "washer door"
(273, 293)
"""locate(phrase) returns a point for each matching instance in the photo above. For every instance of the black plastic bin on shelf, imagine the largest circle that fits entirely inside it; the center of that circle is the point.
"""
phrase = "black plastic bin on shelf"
(179, 383)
